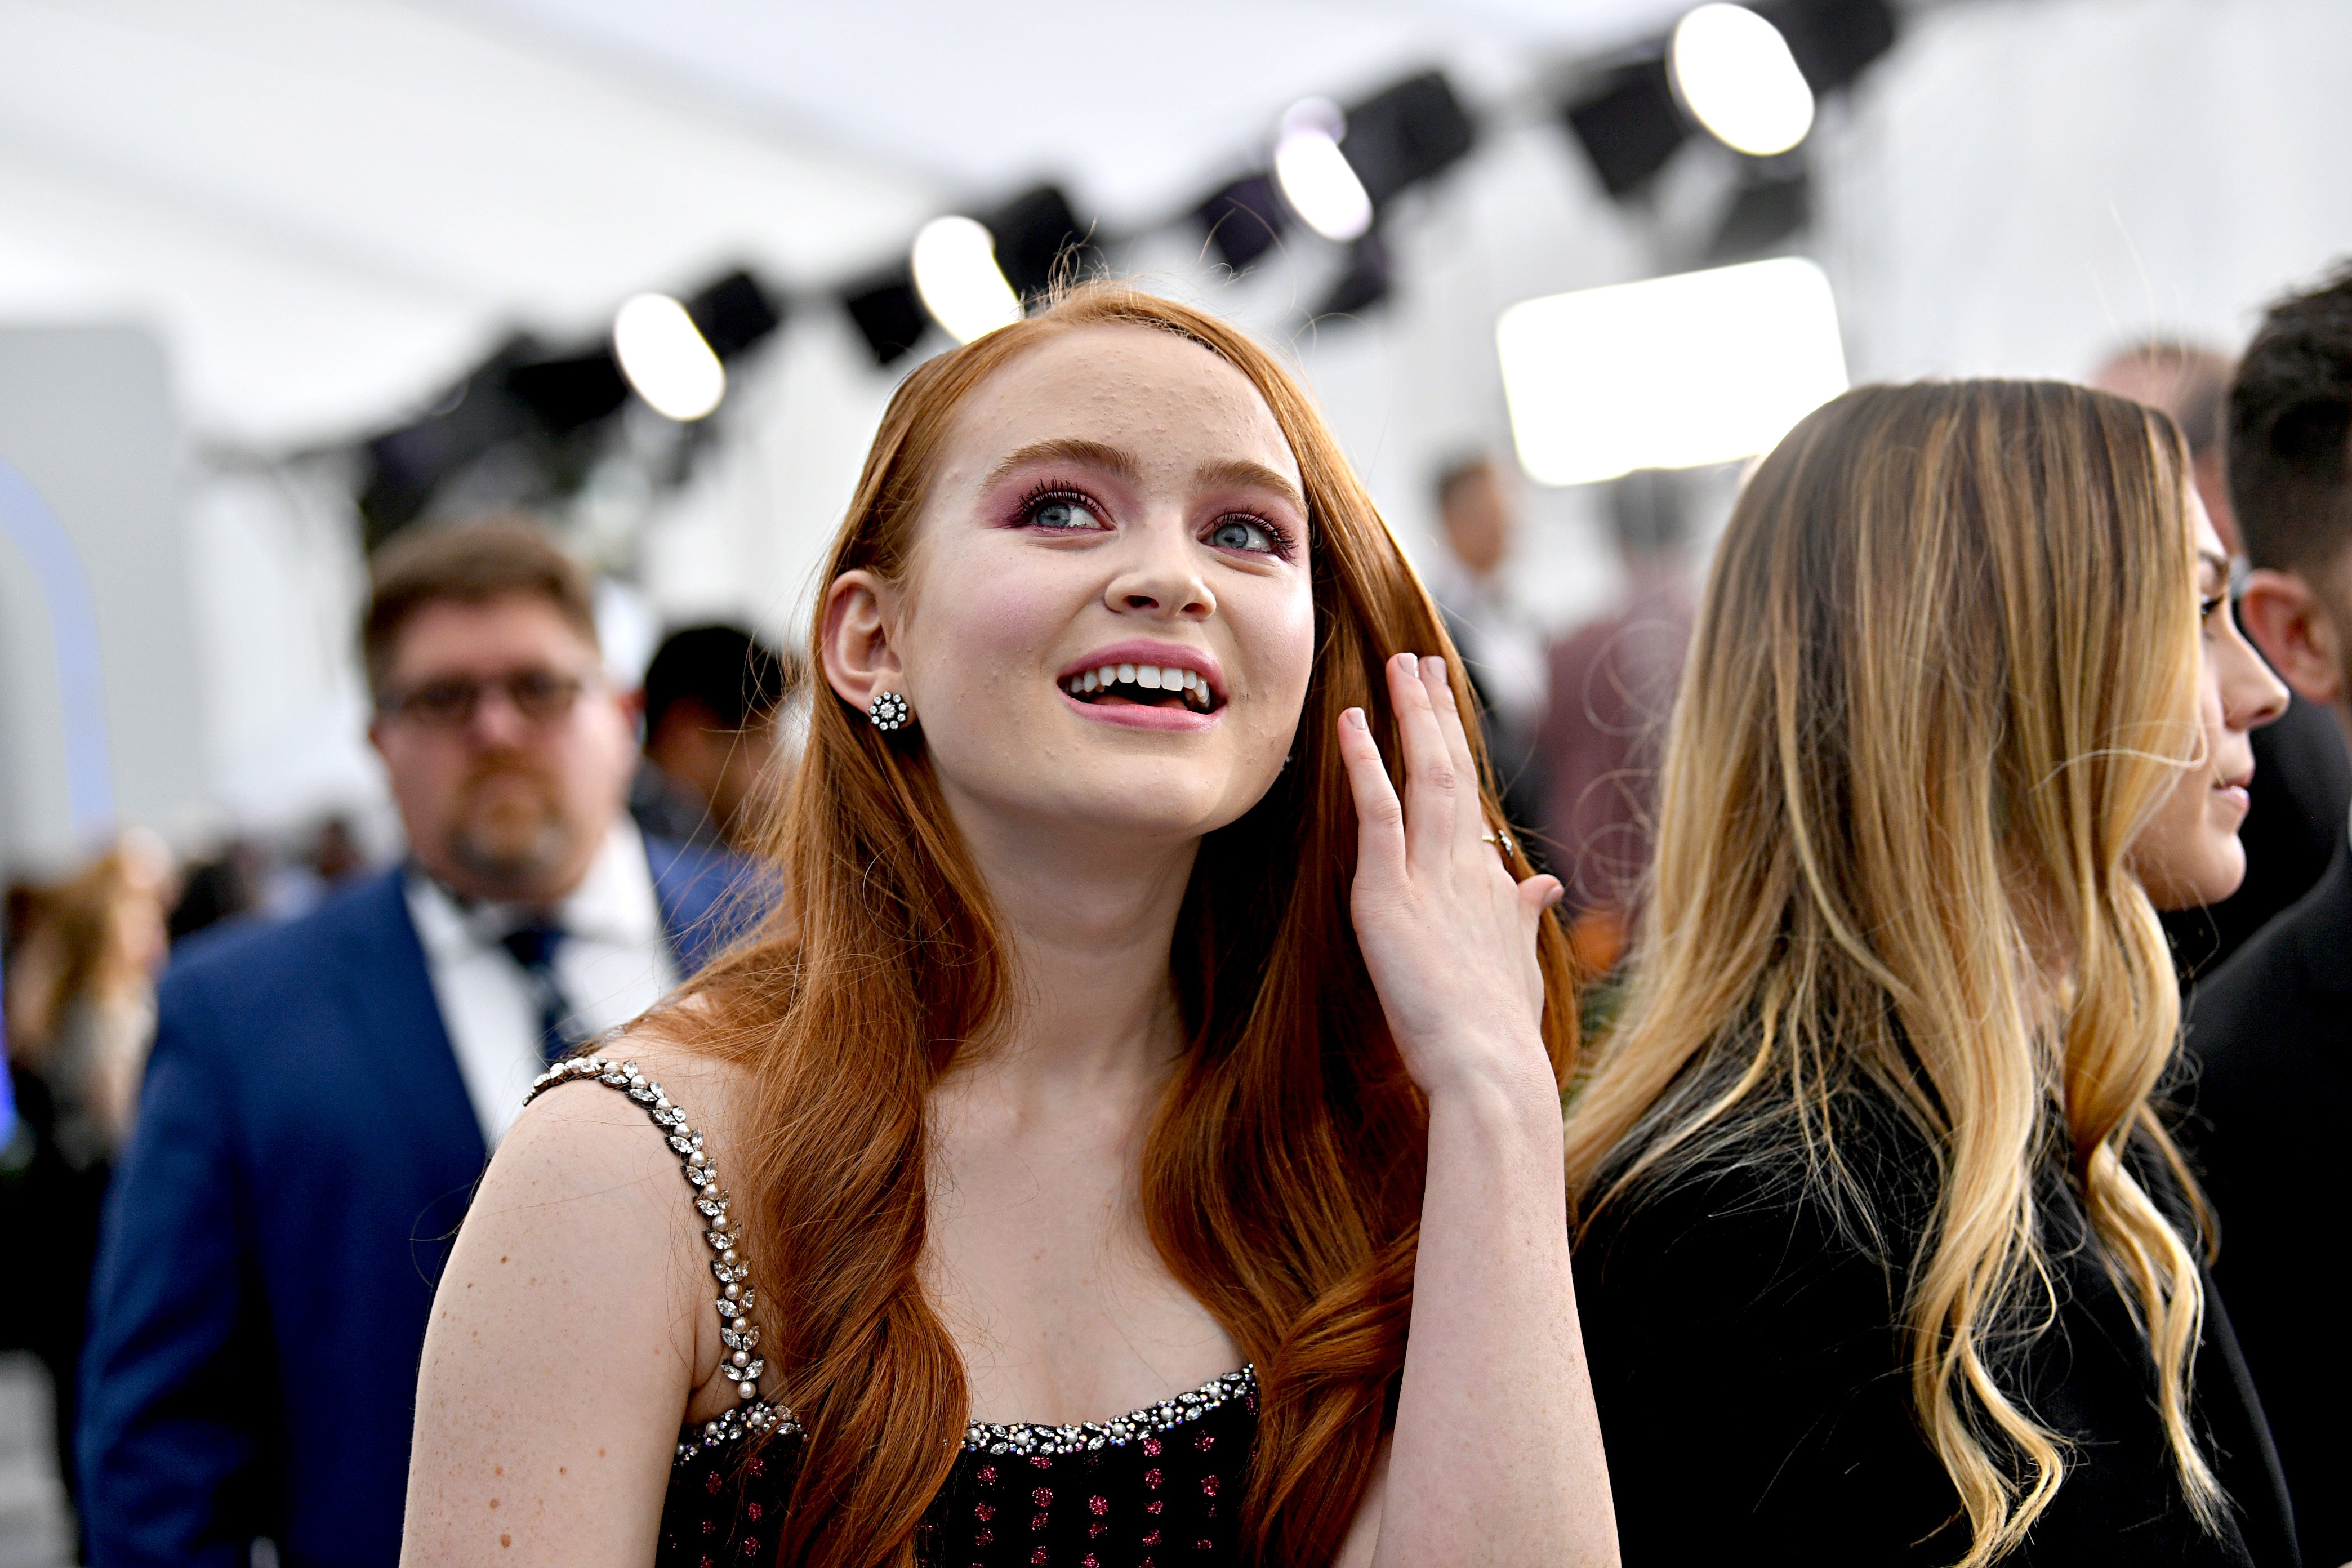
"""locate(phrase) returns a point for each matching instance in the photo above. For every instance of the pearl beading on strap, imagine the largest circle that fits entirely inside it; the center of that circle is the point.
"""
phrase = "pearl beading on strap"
(741, 1364)
(1023, 1438)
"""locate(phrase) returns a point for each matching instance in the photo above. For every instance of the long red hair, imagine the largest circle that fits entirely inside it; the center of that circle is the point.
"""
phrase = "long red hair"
(1282, 1173)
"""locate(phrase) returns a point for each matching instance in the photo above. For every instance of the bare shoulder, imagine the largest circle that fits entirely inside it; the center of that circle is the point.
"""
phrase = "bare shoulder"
(583, 1231)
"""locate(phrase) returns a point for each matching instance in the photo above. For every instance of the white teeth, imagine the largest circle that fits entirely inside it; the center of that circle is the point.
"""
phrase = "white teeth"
(1127, 673)
(1147, 676)
(1173, 679)
(1106, 674)
(1088, 682)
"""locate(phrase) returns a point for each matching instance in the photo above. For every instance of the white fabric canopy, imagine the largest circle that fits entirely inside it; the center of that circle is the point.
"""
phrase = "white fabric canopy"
(329, 207)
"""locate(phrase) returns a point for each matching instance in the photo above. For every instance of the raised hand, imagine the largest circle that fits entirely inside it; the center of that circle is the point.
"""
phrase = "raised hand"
(1448, 935)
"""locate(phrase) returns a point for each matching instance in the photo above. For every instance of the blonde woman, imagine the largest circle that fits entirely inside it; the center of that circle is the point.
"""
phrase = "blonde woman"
(1886, 1256)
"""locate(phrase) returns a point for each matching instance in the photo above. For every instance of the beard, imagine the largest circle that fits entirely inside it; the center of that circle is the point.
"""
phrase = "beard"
(511, 832)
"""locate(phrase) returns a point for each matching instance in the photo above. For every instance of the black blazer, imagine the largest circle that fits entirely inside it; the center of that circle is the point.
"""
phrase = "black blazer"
(1755, 1397)
(2271, 1035)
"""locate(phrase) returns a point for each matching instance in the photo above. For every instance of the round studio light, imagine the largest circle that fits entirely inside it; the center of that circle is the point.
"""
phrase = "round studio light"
(955, 268)
(665, 357)
(1315, 175)
(1734, 72)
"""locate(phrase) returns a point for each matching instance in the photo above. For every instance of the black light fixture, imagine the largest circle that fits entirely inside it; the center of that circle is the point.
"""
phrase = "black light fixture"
(1629, 123)
(734, 314)
(1037, 239)
(889, 314)
(1362, 283)
(1773, 201)
(406, 465)
(1405, 134)
(1245, 219)
(565, 392)
(1832, 40)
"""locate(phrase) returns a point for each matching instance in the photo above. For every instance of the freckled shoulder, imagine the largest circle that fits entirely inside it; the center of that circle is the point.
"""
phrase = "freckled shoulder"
(727, 1364)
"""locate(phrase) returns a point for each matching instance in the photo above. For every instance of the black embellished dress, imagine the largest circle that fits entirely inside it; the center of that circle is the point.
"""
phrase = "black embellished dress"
(1159, 1486)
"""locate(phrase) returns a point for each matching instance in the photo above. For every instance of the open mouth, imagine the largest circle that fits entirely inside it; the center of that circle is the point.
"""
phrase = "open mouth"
(1143, 686)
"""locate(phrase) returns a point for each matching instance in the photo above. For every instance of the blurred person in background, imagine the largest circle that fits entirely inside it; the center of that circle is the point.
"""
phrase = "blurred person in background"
(224, 886)
(2302, 774)
(1612, 684)
(324, 1092)
(2272, 1029)
(1889, 1257)
(712, 696)
(1500, 641)
(80, 992)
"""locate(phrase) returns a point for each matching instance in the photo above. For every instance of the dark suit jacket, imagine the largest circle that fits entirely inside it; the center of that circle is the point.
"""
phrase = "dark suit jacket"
(2271, 1033)
(305, 1150)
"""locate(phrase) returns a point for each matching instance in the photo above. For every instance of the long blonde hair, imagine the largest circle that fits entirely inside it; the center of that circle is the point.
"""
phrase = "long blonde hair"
(1944, 673)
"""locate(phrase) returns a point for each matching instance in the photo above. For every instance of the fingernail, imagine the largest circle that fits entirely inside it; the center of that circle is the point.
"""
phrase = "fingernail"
(1356, 716)
(1407, 663)
(1434, 666)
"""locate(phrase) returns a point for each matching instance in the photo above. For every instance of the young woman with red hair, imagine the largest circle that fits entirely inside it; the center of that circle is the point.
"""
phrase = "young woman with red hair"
(1137, 1137)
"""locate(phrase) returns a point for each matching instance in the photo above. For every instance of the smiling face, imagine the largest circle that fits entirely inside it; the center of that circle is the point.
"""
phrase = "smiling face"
(2188, 854)
(1108, 618)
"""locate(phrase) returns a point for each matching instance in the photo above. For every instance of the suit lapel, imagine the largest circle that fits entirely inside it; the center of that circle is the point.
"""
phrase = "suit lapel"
(388, 996)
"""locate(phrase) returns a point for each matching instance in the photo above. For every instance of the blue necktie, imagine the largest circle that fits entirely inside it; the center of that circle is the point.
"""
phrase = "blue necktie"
(533, 950)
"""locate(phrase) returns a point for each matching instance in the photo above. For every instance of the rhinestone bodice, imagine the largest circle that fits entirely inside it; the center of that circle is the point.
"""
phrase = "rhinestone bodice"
(1158, 1486)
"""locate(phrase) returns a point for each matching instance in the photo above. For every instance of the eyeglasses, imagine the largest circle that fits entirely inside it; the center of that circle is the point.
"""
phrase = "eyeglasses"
(540, 696)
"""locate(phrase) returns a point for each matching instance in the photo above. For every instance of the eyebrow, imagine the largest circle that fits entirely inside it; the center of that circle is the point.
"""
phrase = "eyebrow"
(1241, 472)
(1094, 454)
(2220, 564)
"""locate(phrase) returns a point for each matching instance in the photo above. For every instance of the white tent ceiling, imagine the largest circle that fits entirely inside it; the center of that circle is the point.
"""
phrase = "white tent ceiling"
(326, 207)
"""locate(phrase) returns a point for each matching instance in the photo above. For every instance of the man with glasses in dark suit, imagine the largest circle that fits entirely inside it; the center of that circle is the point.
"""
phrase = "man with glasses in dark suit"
(323, 1094)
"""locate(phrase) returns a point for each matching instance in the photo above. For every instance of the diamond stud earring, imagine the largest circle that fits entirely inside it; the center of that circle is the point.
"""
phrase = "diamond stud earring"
(888, 710)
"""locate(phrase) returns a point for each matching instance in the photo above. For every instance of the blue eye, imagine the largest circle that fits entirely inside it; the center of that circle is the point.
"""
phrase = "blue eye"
(1055, 507)
(1242, 533)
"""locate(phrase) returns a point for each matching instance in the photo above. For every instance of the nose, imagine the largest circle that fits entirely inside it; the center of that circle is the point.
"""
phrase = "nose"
(1159, 574)
(2251, 693)
(497, 724)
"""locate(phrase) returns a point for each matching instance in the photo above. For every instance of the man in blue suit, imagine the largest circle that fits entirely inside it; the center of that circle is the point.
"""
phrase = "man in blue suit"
(322, 1095)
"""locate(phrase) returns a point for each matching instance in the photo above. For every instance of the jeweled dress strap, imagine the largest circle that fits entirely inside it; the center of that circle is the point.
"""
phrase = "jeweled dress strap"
(740, 1364)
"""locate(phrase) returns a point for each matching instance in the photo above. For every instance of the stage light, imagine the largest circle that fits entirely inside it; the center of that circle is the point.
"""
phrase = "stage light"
(1735, 74)
(1315, 175)
(1628, 125)
(734, 314)
(1675, 373)
(887, 314)
(1037, 238)
(665, 358)
(1406, 134)
(961, 284)
(1244, 220)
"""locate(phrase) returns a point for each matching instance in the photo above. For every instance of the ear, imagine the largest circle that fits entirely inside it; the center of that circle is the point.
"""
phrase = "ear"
(2291, 624)
(861, 614)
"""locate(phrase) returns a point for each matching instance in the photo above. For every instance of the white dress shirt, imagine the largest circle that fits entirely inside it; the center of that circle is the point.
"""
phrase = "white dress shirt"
(613, 964)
